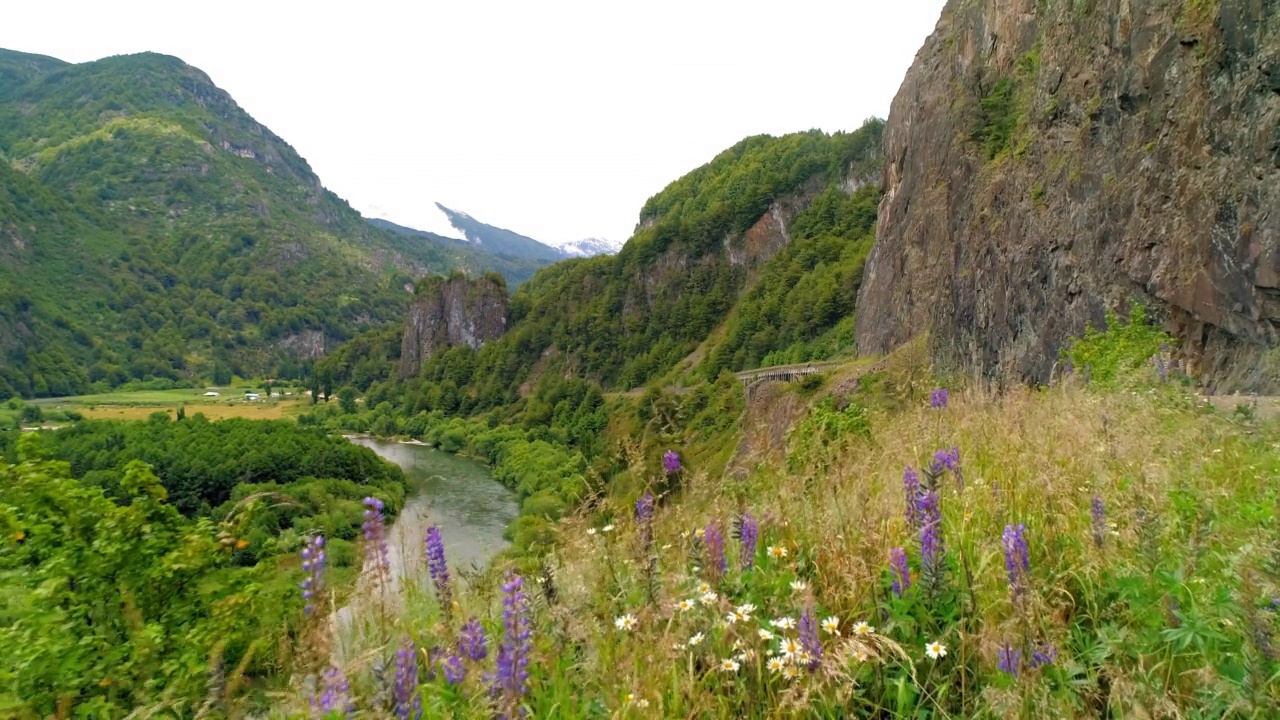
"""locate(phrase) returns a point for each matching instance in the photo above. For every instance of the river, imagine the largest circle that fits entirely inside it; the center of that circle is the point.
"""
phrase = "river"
(457, 495)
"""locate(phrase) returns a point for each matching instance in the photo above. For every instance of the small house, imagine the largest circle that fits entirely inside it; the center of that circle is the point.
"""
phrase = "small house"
(252, 396)
(211, 393)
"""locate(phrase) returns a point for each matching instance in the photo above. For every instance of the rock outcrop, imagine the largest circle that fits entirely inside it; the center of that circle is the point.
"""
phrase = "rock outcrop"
(1046, 161)
(453, 312)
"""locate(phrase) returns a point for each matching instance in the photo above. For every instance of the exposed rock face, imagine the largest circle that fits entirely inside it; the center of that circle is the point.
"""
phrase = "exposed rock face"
(452, 312)
(1045, 161)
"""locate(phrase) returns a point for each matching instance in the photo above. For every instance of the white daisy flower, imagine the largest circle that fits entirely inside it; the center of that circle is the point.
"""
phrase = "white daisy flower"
(732, 618)
(799, 585)
(784, 623)
(862, 628)
(685, 605)
(935, 650)
(708, 598)
(776, 551)
(704, 588)
(729, 665)
(764, 634)
(775, 664)
(832, 626)
(625, 622)
(696, 639)
(860, 656)
(791, 672)
(789, 648)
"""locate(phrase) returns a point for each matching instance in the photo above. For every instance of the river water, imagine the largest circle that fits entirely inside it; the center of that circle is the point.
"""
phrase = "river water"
(455, 494)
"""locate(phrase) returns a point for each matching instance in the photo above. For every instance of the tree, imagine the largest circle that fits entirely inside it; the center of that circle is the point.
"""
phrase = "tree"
(347, 399)
(221, 374)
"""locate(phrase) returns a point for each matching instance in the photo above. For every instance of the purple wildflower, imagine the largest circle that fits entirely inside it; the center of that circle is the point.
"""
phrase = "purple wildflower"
(944, 460)
(508, 681)
(671, 462)
(375, 536)
(453, 671)
(644, 518)
(313, 562)
(471, 642)
(438, 568)
(1162, 367)
(1010, 659)
(931, 549)
(1044, 656)
(1017, 561)
(749, 535)
(408, 703)
(911, 488)
(1099, 513)
(715, 549)
(335, 695)
(808, 630)
(898, 568)
(938, 399)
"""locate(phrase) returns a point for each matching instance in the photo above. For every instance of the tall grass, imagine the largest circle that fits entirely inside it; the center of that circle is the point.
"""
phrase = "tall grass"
(1162, 605)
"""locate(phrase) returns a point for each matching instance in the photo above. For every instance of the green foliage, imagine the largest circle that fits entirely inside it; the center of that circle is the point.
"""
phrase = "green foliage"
(1003, 109)
(802, 307)
(824, 433)
(1110, 355)
(201, 463)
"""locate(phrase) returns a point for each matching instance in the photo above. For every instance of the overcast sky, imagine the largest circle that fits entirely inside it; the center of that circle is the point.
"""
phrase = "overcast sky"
(556, 119)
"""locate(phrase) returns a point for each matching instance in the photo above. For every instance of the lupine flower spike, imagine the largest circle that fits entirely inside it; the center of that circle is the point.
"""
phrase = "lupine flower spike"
(809, 638)
(931, 549)
(899, 570)
(1016, 559)
(749, 536)
(714, 541)
(1010, 659)
(313, 562)
(1098, 511)
(938, 399)
(408, 704)
(471, 642)
(375, 536)
(508, 682)
(911, 489)
(335, 695)
(438, 568)
(671, 462)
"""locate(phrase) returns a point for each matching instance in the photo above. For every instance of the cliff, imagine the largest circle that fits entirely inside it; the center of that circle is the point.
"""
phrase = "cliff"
(1046, 161)
(453, 312)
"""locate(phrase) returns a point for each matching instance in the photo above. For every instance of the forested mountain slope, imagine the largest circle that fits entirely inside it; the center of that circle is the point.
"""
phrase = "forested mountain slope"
(149, 228)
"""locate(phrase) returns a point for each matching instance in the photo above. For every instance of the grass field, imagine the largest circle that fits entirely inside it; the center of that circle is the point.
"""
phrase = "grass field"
(140, 404)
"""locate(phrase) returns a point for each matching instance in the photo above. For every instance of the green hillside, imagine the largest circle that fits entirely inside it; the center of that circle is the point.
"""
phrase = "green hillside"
(150, 228)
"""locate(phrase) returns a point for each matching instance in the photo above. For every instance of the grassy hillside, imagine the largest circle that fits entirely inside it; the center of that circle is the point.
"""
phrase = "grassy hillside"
(150, 228)
(1073, 551)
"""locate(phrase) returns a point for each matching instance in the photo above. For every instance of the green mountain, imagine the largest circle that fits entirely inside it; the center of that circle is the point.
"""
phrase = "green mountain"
(150, 228)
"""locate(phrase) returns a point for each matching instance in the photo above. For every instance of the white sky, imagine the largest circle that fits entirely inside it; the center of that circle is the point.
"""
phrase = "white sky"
(554, 118)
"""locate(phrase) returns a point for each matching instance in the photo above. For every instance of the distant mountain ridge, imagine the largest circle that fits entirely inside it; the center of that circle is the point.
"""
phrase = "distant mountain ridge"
(508, 242)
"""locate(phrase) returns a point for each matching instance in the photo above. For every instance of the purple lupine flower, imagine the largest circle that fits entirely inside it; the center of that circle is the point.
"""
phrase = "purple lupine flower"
(335, 695)
(375, 536)
(714, 541)
(671, 462)
(1044, 656)
(408, 704)
(1162, 368)
(749, 535)
(1010, 659)
(931, 549)
(1099, 513)
(644, 518)
(1017, 560)
(453, 671)
(938, 399)
(438, 568)
(471, 642)
(911, 488)
(899, 570)
(508, 681)
(808, 629)
(313, 562)
(944, 460)
(1071, 368)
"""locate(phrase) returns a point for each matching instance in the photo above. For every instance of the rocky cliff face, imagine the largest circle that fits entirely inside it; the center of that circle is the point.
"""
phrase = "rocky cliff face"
(1045, 161)
(452, 312)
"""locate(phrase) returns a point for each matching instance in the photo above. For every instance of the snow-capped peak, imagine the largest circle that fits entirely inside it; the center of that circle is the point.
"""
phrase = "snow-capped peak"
(589, 247)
